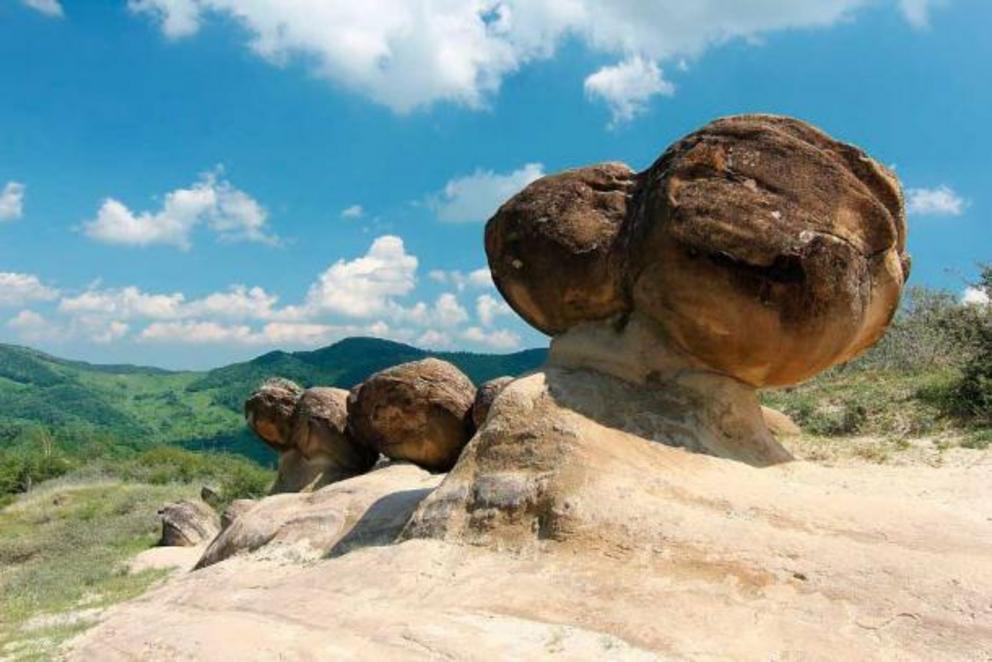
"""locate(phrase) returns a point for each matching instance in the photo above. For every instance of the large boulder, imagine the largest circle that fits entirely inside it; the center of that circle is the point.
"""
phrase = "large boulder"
(759, 246)
(755, 252)
(188, 524)
(420, 412)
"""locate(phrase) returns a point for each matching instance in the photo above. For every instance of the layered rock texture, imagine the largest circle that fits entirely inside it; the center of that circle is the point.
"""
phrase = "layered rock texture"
(628, 501)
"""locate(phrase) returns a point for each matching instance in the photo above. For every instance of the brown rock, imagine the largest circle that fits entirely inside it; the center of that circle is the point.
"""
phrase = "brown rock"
(234, 510)
(484, 398)
(187, 524)
(758, 245)
(320, 431)
(551, 248)
(269, 412)
(418, 411)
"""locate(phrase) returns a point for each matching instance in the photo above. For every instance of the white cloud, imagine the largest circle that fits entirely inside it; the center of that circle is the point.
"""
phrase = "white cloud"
(917, 12)
(448, 312)
(411, 53)
(432, 339)
(17, 289)
(940, 201)
(974, 296)
(497, 339)
(353, 211)
(232, 214)
(366, 286)
(626, 87)
(478, 279)
(32, 327)
(47, 7)
(197, 332)
(476, 197)
(109, 332)
(11, 201)
(488, 308)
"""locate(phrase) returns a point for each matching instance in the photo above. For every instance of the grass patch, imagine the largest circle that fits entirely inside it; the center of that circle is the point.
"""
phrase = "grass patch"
(64, 552)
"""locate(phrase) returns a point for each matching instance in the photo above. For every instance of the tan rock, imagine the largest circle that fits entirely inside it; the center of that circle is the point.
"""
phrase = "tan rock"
(234, 510)
(779, 423)
(370, 509)
(418, 411)
(484, 398)
(320, 431)
(187, 523)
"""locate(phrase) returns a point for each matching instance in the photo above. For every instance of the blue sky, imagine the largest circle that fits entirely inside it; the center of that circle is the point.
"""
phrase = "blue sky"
(186, 183)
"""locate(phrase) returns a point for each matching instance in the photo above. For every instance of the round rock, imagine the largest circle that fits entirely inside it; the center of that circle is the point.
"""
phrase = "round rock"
(418, 411)
(269, 412)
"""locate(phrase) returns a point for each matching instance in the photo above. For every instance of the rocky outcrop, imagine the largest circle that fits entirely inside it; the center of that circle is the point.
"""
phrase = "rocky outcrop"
(187, 524)
(484, 399)
(309, 430)
(420, 412)
(364, 510)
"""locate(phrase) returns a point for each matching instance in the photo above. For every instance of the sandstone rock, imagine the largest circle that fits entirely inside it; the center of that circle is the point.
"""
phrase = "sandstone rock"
(309, 429)
(418, 411)
(779, 423)
(761, 248)
(370, 509)
(484, 398)
(269, 412)
(187, 523)
(234, 510)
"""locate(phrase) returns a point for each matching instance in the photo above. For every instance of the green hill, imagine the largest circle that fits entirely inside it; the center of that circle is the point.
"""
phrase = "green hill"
(77, 402)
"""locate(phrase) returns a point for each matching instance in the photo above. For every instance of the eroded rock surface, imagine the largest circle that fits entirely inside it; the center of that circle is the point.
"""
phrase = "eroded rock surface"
(420, 412)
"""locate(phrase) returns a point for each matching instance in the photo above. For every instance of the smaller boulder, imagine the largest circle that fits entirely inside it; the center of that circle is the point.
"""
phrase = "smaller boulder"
(779, 423)
(420, 412)
(269, 412)
(187, 524)
(484, 398)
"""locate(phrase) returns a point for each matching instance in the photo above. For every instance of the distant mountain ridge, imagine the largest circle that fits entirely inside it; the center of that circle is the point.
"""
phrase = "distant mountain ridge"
(137, 405)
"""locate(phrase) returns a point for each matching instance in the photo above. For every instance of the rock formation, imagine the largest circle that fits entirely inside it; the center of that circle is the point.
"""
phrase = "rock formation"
(309, 430)
(755, 252)
(187, 524)
(484, 399)
(420, 412)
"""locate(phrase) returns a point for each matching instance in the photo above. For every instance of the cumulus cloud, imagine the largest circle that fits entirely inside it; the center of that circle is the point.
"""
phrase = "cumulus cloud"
(939, 201)
(406, 54)
(366, 286)
(17, 289)
(33, 327)
(52, 8)
(433, 339)
(11, 201)
(231, 214)
(626, 87)
(352, 212)
(448, 312)
(974, 296)
(488, 308)
(237, 302)
(476, 197)
(477, 279)
(917, 12)
(500, 339)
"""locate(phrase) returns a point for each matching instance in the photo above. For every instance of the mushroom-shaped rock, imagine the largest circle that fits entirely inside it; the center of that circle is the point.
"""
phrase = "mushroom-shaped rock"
(484, 399)
(187, 524)
(269, 412)
(755, 252)
(418, 411)
(309, 429)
